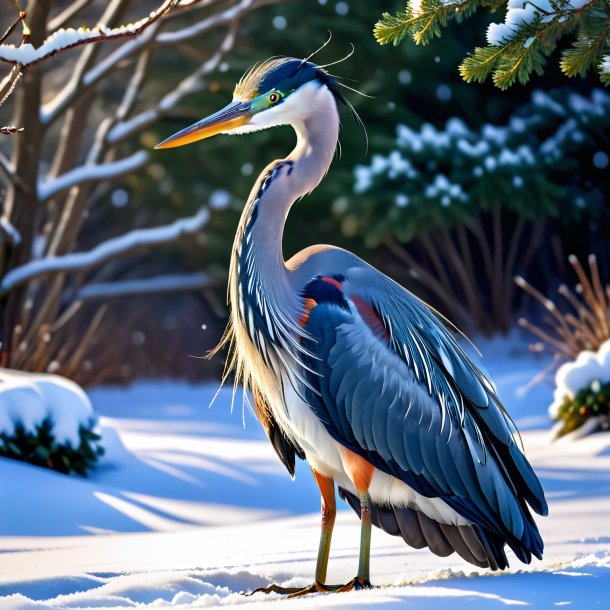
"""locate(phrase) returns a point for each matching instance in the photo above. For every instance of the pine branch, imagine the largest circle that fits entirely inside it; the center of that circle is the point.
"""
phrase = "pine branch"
(518, 65)
(520, 45)
(422, 20)
(587, 49)
(480, 64)
(393, 28)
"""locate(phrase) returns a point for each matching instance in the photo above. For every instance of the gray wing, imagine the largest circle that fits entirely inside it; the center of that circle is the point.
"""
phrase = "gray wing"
(393, 385)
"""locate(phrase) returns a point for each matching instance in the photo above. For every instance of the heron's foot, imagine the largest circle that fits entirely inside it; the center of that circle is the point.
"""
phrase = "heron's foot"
(315, 587)
(355, 584)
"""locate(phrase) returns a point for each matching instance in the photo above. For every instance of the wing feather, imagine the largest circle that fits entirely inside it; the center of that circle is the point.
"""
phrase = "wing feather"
(412, 403)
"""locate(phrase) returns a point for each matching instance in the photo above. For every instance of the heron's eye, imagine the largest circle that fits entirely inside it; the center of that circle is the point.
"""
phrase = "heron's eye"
(274, 98)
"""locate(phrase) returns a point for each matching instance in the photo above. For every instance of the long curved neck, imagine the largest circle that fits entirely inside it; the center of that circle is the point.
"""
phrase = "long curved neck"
(258, 246)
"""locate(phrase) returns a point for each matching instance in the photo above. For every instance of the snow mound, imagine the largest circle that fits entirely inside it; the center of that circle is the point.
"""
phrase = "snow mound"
(581, 373)
(27, 399)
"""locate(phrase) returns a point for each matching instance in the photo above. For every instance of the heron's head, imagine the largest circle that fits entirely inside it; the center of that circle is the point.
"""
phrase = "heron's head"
(282, 91)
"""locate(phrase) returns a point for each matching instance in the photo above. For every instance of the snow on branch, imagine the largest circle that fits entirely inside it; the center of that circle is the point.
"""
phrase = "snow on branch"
(161, 284)
(63, 39)
(51, 110)
(93, 172)
(112, 248)
(10, 231)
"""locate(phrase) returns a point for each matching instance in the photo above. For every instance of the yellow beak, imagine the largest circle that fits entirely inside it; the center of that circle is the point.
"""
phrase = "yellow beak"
(230, 117)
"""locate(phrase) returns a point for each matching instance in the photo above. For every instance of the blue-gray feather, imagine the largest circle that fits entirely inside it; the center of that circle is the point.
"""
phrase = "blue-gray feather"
(419, 409)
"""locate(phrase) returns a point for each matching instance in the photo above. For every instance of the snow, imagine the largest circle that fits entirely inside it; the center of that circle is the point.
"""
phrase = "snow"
(27, 399)
(10, 230)
(157, 285)
(26, 54)
(87, 173)
(394, 164)
(124, 129)
(576, 375)
(522, 13)
(441, 184)
(112, 247)
(66, 38)
(188, 509)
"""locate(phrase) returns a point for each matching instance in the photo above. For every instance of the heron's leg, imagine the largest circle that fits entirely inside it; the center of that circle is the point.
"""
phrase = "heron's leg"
(329, 511)
(364, 562)
(360, 473)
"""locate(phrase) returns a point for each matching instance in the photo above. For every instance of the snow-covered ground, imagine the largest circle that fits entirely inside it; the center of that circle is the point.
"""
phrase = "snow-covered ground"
(188, 509)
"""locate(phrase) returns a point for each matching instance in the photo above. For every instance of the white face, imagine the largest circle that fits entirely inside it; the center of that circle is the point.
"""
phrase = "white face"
(294, 110)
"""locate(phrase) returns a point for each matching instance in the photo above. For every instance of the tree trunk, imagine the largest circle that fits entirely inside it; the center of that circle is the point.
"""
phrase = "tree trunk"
(21, 206)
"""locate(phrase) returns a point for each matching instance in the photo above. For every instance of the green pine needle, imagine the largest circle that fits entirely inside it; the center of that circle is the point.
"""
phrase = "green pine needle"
(479, 65)
(586, 51)
(392, 29)
(526, 51)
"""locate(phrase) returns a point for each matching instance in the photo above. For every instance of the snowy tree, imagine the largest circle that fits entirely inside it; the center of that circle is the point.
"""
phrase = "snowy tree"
(519, 45)
(462, 208)
(79, 108)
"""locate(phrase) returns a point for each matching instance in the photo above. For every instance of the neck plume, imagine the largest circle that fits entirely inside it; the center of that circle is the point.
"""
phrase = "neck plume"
(315, 119)
(265, 306)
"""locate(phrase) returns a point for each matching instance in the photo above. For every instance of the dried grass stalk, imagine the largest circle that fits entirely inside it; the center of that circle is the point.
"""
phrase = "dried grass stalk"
(566, 334)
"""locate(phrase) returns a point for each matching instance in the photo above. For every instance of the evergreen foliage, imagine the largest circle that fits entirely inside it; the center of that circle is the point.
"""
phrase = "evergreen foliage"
(41, 449)
(436, 177)
(416, 85)
(591, 401)
(520, 45)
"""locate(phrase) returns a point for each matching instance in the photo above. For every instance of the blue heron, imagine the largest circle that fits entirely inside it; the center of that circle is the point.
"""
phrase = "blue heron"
(352, 372)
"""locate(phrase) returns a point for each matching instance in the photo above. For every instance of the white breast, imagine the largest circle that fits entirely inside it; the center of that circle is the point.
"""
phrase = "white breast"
(323, 454)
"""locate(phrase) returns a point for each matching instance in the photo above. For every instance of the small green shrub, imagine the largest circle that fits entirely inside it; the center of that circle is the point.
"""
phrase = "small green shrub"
(592, 401)
(40, 448)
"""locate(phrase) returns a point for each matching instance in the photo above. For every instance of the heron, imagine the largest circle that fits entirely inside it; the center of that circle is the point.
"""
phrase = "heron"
(355, 374)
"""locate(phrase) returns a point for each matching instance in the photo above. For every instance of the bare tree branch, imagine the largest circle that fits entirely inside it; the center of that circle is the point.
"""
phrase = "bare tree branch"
(9, 30)
(8, 83)
(59, 21)
(161, 284)
(198, 28)
(62, 40)
(135, 84)
(112, 248)
(10, 233)
(10, 129)
(68, 149)
(191, 84)
(63, 99)
(93, 172)
(7, 169)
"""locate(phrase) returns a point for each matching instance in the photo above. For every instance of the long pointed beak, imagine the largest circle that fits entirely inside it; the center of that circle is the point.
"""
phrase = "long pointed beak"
(230, 117)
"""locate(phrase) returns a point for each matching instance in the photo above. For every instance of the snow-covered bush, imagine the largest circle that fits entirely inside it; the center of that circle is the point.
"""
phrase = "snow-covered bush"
(434, 177)
(582, 393)
(48, 421)
(464, 209)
